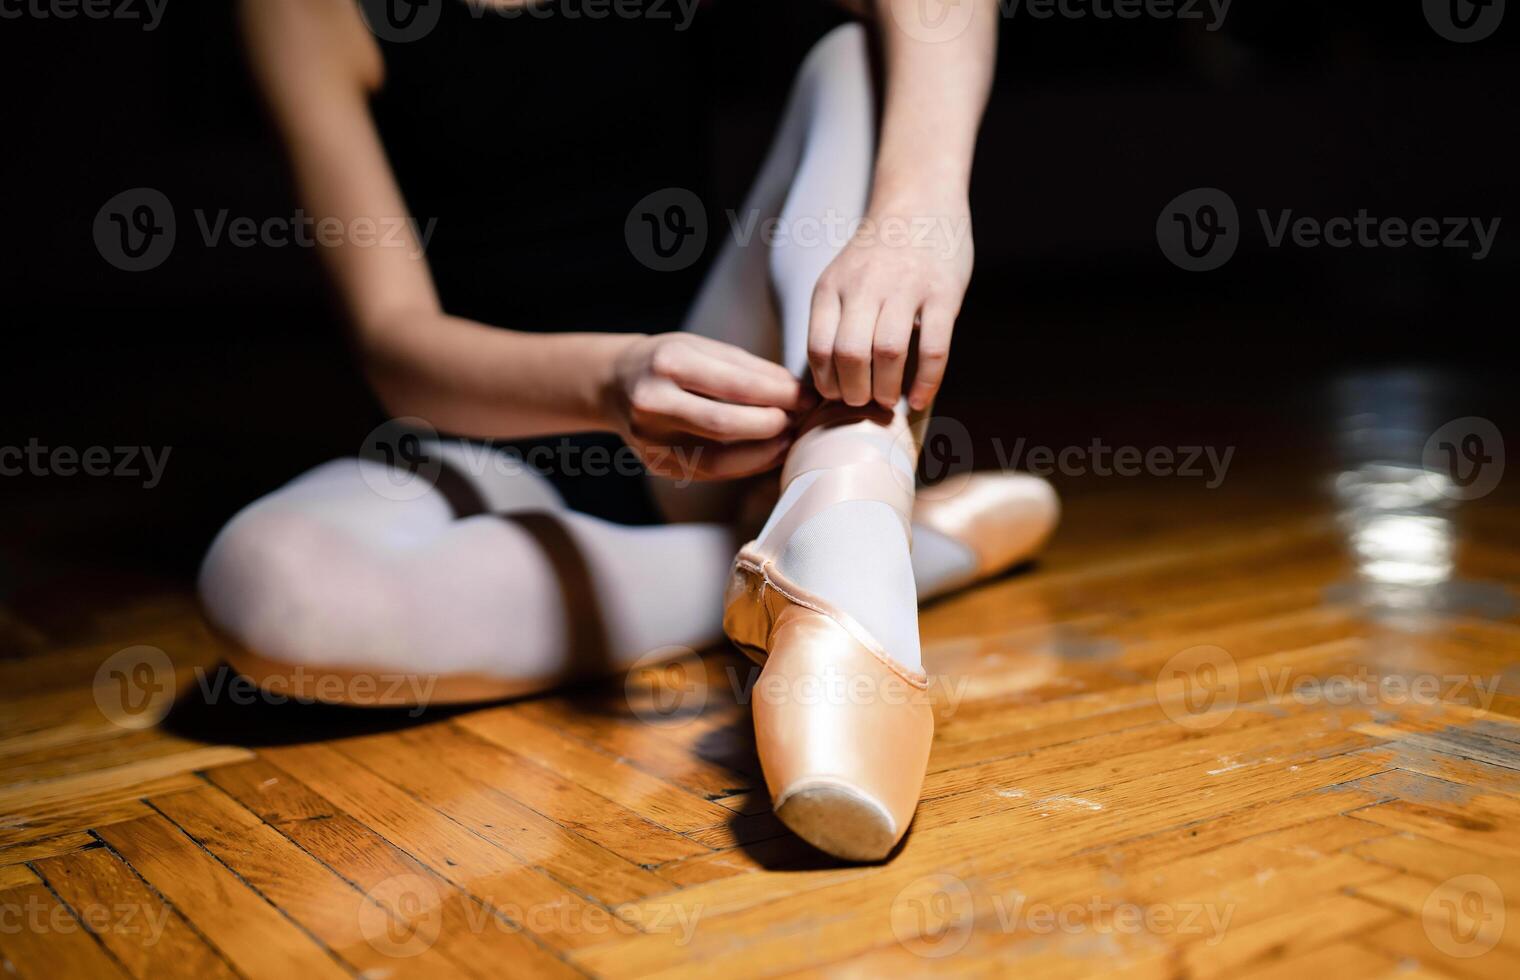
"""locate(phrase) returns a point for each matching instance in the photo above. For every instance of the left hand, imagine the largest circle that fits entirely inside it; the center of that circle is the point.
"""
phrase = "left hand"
(905, 265)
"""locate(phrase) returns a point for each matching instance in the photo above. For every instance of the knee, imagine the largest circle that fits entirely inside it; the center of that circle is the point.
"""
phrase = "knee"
(846, 48)
(269, 581)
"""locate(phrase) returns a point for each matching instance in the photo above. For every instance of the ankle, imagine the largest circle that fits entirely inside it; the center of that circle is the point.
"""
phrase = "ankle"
(836, 435)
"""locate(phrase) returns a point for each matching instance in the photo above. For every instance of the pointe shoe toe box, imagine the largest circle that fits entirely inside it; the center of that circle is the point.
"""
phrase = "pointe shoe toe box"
(1002, 518)
(842, 731)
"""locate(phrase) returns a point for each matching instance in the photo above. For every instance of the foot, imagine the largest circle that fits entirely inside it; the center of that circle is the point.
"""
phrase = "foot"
(969, 529)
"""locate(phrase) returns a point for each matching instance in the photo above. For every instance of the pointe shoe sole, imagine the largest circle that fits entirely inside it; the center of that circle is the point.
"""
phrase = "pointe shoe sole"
(839, 820)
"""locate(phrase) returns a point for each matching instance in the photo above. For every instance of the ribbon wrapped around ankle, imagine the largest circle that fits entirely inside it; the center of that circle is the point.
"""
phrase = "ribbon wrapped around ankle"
(864, 478)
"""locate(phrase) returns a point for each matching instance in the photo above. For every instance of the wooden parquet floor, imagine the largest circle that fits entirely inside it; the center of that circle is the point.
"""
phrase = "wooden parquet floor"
(1240, 732)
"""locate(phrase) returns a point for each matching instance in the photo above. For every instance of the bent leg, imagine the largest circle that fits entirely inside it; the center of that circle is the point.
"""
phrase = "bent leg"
(813, 182)
(334, 591)
(326, 581)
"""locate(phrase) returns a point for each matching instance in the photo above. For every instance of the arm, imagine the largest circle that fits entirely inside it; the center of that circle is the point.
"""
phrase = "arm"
(317, 64)
(938, 77)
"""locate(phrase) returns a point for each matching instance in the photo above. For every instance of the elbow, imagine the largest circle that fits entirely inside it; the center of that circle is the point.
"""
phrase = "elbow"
(382, 344)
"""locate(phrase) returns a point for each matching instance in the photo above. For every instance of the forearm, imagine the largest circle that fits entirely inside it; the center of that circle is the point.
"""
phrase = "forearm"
(937, 83)
(469, 379)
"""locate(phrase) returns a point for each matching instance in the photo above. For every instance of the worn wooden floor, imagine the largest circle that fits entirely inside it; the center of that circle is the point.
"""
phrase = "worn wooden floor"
(1253, 731)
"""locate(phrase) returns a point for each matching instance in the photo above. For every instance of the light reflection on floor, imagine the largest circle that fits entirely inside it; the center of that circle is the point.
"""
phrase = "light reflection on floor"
(1396, 510)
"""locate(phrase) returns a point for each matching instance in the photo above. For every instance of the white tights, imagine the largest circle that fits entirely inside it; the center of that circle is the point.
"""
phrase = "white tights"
(326, 572)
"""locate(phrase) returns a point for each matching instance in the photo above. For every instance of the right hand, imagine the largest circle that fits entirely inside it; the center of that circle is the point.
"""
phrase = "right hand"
(697, 408)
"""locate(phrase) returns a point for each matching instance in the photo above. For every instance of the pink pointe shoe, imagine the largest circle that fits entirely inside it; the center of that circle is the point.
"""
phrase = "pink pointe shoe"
(843, 730)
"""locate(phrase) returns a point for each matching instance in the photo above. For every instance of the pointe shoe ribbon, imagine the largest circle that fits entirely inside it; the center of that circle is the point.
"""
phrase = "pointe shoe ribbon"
(852, 457)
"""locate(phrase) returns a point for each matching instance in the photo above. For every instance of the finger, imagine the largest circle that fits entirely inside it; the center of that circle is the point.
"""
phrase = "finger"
(681, 411)
(823, 326)
(936, 323)
(736, 376)
(889, 349)
(732, 462)
(734, 354)
(852, 349)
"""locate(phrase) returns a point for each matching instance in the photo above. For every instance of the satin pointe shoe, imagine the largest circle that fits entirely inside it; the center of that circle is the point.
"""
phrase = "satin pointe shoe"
(842, 729)
(1002, 519)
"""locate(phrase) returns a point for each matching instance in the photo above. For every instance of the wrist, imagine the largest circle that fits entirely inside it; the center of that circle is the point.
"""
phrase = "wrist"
(603, 396)
(936, 191)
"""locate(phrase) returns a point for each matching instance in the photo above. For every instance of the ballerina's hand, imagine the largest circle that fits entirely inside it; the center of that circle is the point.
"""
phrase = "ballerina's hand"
(697, 408)
(904, 267)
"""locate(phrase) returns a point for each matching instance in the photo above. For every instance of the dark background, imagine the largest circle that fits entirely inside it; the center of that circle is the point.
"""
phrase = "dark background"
(1076, 325)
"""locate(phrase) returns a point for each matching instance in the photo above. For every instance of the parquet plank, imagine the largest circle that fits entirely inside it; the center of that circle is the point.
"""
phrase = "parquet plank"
(254, 936)
(1484, 823)
(47, 940)
(496, 876)
(1409, 939)
(474, 936)
(146, 937)
(467, 795)
(47, 847)
(355, 925)
(1344, 961)
(666, 805)
(632, 832)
